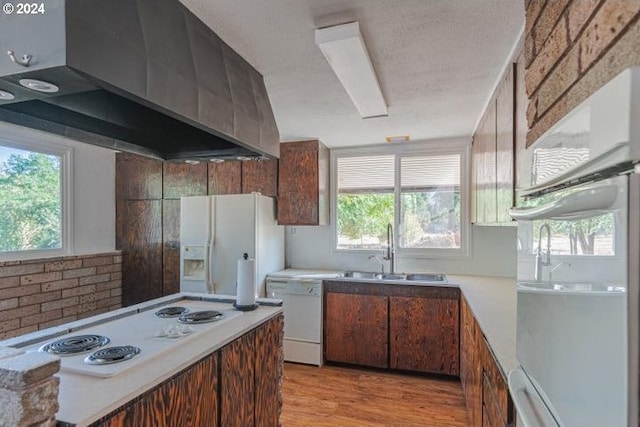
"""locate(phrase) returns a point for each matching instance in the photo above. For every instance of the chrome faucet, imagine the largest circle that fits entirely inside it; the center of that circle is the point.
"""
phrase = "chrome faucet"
(376, 259)
(391, 250)
(539, 253)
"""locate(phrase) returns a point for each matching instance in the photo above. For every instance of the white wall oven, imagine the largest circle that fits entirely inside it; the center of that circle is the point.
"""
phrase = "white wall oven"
(578, 266)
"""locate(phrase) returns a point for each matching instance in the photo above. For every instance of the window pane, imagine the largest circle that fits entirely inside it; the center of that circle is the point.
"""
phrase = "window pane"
(30, 200)
(430, 200)
(363, 219)
(431, 219)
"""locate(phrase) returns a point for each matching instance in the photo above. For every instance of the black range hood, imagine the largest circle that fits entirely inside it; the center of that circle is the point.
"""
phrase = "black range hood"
(143, 76)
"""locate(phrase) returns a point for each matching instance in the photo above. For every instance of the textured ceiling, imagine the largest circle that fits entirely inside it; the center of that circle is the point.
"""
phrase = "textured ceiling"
(437, 61)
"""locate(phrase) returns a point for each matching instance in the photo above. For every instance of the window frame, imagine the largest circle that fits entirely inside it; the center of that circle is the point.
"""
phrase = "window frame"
(50, 146)
(445, 146)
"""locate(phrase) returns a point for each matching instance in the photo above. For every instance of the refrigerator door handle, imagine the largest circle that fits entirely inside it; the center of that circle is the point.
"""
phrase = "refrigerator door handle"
(585, 203)
(530, 408)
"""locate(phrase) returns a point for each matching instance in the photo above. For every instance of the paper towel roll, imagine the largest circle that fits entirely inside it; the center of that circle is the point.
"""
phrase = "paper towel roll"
(245, 286)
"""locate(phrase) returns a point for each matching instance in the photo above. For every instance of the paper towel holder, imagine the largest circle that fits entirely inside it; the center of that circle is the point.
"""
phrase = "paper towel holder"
(248, 307)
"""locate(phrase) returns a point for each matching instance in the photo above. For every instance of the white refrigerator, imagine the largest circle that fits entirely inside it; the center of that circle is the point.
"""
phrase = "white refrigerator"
(215, 231)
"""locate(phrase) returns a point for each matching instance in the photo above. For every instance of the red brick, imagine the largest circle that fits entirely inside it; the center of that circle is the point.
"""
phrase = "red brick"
(558, 111)
(113, 284)
(547, 21)
(39, 298)
(579, 13)
(529, 50)
(116, 276)
(551, 51)
(59, 284)
(8, 325)
(94, 279)
(112, 268)
(116, 292)
(80, 290)
(57, 322)
(9, 282)
(61, 303)
(16, 313)
(19, 270)
(94, 296)
(93, 313)
(67, 264)
(7, 304)
(17, 332)
(102, 260)
(20, 291)
(41, 318)
(610, 20)
(80, 272)
(563, 76)
(40, 278)
(532, 13)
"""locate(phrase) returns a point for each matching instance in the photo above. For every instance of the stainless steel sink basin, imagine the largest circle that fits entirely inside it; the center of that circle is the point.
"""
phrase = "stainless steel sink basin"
(427, 277)
(360, 274)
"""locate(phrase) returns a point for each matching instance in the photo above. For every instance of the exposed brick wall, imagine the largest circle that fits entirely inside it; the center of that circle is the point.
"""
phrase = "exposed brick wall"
(572, 48)
(41, 293)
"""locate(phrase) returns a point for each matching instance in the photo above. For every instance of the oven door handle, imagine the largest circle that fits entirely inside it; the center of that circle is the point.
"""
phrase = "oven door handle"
(530, 408)
(586, 203)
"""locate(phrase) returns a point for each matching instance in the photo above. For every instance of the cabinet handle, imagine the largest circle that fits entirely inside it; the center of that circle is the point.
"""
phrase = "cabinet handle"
(23, 61)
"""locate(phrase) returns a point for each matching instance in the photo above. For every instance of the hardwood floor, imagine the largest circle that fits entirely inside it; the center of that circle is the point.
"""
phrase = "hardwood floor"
(337, 396)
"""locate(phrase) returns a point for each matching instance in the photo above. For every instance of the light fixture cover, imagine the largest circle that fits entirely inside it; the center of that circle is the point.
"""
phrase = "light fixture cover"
(39, 85)
(344, 49)
(6, 96)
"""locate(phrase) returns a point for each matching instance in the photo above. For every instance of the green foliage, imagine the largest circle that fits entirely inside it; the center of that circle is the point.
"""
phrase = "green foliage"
(30, 202)
(362, 215)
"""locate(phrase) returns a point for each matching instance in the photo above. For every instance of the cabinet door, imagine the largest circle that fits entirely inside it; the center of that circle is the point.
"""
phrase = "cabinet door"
(269, 371)
(356, 329)
(237, 389)
(505, 134)
(298, 183)
(424, 335)
(471, 364)
(261, 177)
(225, 178)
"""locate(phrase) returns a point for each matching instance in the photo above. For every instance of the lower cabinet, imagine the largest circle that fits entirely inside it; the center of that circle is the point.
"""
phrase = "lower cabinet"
(239, 385)
(412, 328)
(485, 388)
(357, 329)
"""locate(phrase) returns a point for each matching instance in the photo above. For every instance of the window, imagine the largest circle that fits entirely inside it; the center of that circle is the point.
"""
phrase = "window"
(420, 192)
(32, 200)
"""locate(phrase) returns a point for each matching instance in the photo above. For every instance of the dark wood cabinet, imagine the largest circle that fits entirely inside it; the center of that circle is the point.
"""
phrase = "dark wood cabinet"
(225, 178)
(239, 385)
(423, 334)
(137, 177)
(237, 369)
(139, 230)
(484, 386)
(493, 156)
(412, 328)
(183, 179)
(356, 329)
(260, 176)
(303, 183)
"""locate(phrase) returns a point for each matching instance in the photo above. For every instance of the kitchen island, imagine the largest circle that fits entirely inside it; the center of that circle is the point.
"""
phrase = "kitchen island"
(226, 374)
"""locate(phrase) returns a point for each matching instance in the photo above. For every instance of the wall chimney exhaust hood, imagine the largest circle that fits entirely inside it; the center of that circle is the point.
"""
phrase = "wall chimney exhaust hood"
(143, 76)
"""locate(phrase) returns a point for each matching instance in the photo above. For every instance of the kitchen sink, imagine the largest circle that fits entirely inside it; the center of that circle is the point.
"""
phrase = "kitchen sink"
(411, 277)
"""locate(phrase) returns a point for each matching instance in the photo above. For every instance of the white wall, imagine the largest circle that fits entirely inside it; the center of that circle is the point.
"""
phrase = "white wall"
(493, 253)
(92, 186)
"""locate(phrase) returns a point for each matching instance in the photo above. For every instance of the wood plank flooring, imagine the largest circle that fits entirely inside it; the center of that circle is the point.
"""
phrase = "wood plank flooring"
(344, 397)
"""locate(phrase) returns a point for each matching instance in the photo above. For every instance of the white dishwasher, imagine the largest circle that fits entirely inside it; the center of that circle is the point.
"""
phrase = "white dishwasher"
(302, 304)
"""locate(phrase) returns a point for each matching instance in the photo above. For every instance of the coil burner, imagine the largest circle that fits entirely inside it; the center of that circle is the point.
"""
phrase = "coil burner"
(75, 344)
(109, 355)
(201, 317)
(171, 312)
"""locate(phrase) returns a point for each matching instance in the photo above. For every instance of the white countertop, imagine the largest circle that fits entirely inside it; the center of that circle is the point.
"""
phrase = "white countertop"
(492, 300)
(84, 399)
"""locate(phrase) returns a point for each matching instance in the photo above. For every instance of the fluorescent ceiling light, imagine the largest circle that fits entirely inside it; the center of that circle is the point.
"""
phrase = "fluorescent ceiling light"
(344, 49)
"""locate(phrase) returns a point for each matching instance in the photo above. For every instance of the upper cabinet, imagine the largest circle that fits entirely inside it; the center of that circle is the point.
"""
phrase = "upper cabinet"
(493, 154)
(303, 183)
